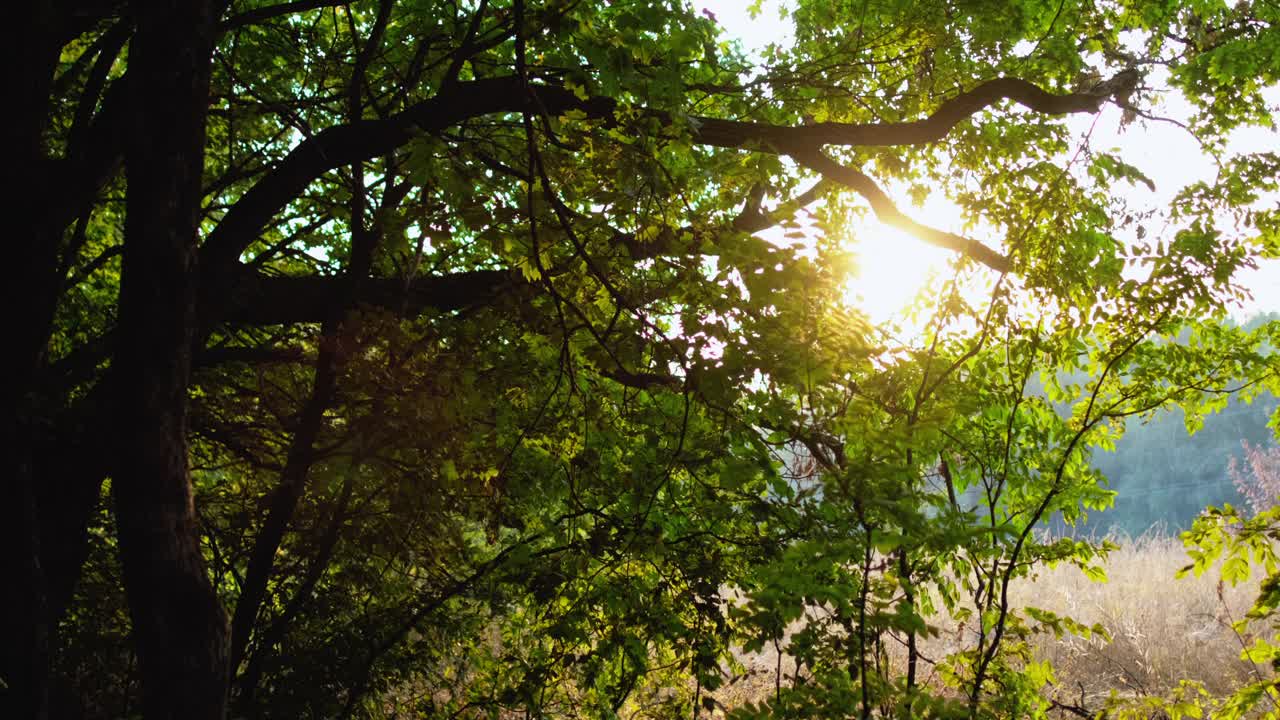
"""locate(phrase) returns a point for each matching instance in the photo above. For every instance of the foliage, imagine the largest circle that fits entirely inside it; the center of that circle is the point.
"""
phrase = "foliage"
(501, 403)
(1164, 478)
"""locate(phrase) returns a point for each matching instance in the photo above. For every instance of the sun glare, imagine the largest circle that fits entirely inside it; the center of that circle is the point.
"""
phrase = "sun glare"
(891, 267)
(894, 266)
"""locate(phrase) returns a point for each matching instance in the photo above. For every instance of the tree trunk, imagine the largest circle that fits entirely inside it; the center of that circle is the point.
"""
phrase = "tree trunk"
(179, 627)
(32, 253)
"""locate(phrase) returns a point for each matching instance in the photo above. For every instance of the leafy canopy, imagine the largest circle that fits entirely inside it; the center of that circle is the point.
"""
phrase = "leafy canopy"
(502, 404)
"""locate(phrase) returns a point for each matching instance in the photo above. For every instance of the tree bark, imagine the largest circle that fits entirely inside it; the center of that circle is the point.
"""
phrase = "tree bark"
(179, 628)
(32, 255)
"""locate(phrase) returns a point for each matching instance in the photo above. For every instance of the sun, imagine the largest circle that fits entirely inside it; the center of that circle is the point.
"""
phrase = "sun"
(892, 266)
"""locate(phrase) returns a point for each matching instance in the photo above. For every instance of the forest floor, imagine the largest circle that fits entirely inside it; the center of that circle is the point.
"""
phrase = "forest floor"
(1163, 630)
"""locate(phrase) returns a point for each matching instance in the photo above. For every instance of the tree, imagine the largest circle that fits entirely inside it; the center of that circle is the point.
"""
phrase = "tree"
(465, 351)
(178, 626)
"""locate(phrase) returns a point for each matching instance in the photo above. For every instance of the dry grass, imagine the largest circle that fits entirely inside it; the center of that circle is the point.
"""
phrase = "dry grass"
(1162, 630)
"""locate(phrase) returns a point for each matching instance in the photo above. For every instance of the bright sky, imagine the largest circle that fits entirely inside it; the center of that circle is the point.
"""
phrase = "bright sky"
(895, 266)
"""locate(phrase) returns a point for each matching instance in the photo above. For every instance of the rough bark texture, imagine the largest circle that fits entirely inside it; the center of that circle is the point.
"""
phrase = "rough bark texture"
(179, 627)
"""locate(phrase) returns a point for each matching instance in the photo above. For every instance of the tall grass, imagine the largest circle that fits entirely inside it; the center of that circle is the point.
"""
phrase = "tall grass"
(1162, 630)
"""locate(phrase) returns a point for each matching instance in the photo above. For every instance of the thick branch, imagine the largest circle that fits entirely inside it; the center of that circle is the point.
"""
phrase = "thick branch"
(270, 12)
(732, 133)
(80, 178)
(889, 214)
(345, 144)
(265, 300)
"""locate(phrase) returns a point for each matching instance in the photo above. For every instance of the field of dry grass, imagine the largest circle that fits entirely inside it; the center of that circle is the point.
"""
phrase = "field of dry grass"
(1162, 630)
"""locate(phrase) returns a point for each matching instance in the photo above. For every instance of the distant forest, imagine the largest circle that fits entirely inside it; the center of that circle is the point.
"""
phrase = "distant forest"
(1164, 478)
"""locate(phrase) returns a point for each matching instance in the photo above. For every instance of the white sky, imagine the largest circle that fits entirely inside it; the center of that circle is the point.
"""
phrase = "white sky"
(895, 266)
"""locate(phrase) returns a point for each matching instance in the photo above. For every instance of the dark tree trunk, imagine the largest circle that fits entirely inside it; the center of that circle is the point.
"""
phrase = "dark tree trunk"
(32, 254)
(179, 627)
(25, 624)
(69, 469)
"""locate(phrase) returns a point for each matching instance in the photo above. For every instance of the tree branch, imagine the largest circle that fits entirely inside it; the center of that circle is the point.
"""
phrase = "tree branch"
(99, 153)
(345, 144)
(263, 14)
(888, 213)
(265, 300)
(732, 133)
